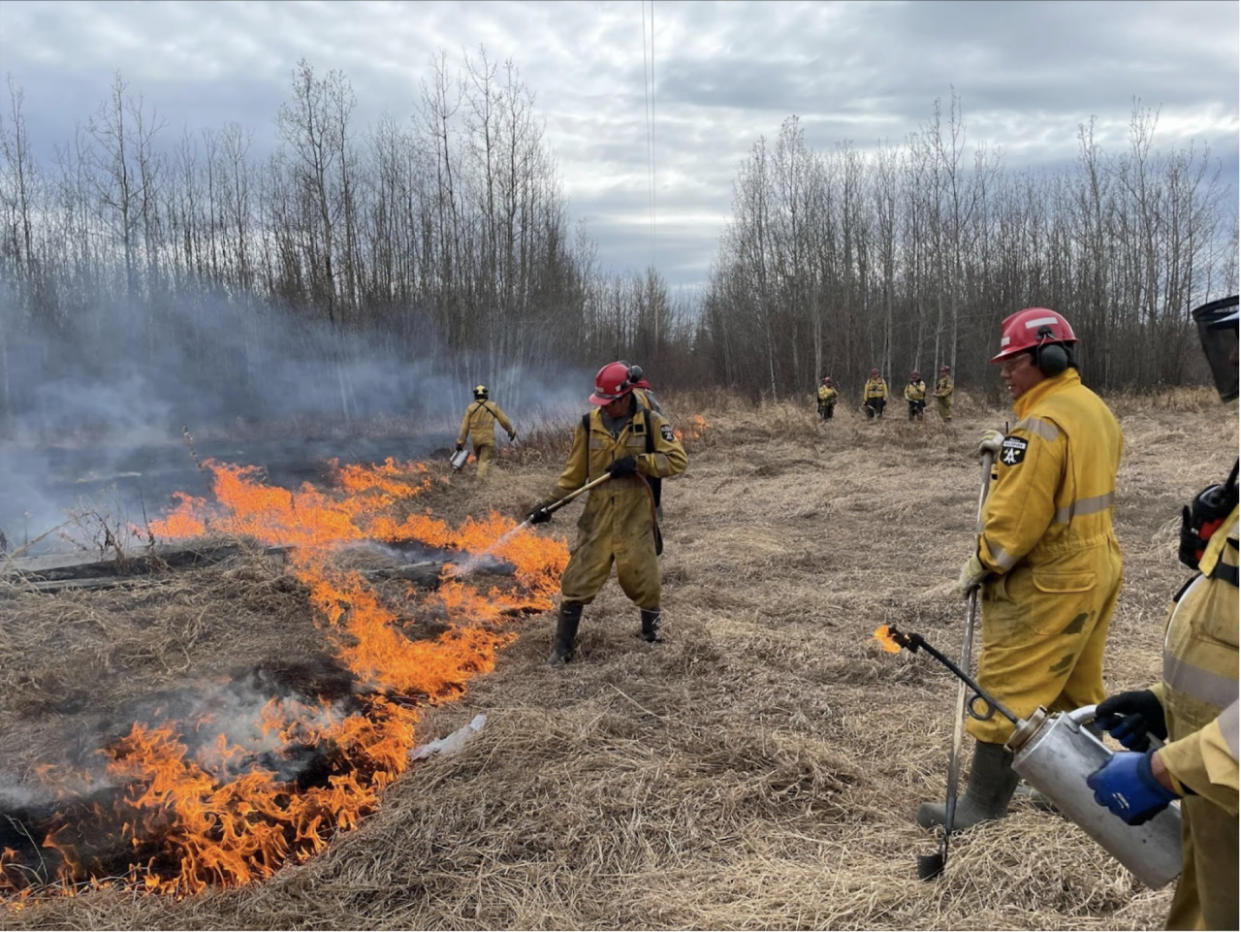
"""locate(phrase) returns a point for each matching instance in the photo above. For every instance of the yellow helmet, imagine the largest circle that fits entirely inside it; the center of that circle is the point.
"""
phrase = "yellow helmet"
(480, 392)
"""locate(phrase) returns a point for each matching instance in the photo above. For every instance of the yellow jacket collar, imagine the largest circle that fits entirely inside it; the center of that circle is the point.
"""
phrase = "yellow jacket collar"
(1047, 386)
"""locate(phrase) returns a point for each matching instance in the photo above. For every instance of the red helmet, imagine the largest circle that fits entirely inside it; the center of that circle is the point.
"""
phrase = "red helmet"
(874, 373)
(944, 368)
(611, 382)
(915, 375)
(1031, 328)
(827, 380)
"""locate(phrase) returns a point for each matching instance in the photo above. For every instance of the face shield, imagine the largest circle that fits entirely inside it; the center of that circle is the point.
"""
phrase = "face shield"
(1217, 328)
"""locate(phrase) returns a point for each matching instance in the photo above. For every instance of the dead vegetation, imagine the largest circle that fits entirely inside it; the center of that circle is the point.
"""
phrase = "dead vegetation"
(758, 770)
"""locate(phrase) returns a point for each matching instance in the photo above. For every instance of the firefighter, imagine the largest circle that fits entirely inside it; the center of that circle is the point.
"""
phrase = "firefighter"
(1047, 558)
(1194, 707)
(943, 393)
(479, 424)
(619, 523)
(827, 398)
(875, 395)
(915, 394)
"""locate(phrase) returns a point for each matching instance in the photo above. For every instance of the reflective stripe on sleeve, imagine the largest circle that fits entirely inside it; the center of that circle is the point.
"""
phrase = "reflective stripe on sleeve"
(1036, 425)
(1084, 506)
(1228, 724)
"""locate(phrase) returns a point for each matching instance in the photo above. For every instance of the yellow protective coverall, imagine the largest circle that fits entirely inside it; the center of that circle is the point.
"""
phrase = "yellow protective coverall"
(827, 401)
(618, 522)
(480, 424)
(875, 396)
(1199, 698)
(943, 396)
(1047, 537)
(915, 392)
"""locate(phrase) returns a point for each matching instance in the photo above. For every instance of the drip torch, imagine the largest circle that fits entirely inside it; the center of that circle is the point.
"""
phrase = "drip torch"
(1054, 753)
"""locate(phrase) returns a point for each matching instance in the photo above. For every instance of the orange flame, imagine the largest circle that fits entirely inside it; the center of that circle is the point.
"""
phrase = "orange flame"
(885, 640)
(195, 819)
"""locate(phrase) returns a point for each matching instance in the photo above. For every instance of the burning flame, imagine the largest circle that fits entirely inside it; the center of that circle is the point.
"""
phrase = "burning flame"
(694, 430)
(225, 812)
(885, 640)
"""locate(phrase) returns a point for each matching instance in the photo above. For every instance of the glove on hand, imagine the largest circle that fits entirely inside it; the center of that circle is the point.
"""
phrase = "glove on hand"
(460, 447)
(512, 437)
(540, 514)
(1132, 717)
(625, 466)
(991, 442)
(1126, 785)
(972, 575)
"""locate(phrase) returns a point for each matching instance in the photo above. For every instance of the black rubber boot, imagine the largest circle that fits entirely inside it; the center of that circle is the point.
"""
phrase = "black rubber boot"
(991, 785)
(650, 625)
(566, 633)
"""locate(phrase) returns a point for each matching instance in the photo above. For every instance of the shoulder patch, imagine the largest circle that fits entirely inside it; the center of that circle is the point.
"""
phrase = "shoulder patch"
(1013, 451)
(665, 431)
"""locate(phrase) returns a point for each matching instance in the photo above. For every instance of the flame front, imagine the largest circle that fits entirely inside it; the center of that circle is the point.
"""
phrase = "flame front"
(215, 815)
(885, 640)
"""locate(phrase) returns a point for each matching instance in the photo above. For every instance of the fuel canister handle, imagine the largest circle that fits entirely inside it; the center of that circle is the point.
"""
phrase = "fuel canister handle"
(1086, 714)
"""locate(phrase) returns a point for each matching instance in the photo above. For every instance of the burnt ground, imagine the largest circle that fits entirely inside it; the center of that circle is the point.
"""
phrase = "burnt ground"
(758, 770)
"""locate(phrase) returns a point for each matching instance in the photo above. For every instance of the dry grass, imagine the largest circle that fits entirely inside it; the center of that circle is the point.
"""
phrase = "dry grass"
(759, 770)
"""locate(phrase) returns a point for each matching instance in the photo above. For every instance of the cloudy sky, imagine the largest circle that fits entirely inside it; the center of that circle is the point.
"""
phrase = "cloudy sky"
(725, 73)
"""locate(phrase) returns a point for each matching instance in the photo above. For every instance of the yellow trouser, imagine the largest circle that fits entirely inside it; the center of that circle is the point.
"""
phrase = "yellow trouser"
(486, 453)
(1206, 895)
(1043, 631)
(615, 526)
(945, 408)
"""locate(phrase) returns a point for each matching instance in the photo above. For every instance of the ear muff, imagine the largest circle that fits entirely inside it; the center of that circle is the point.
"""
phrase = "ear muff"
(1051, 358)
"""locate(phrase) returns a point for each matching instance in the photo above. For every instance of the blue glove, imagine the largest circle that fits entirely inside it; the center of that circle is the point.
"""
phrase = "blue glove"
(1127, 787)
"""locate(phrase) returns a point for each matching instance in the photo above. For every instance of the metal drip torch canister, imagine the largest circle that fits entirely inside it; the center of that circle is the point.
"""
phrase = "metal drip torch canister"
(1055, 753)
(458, 459)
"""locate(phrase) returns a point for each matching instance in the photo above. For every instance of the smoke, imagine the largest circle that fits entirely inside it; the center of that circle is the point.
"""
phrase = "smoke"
(98, 407)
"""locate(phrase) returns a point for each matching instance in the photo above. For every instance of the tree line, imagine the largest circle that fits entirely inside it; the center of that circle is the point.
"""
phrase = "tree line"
(838, 262)
(447, 238)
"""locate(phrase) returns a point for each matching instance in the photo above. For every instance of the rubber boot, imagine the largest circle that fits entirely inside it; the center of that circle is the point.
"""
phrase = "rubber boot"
(650, 626)
(991, 784)
(566, 633)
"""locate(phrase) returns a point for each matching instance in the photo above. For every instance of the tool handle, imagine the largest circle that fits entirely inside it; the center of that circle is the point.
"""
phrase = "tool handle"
(557, 505)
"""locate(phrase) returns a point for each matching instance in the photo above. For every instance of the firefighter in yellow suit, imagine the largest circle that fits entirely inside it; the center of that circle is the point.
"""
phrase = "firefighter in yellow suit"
(827, 398)
(479, 424)
(875, 395)
(1047, 557)
(943, 393)
(915, 395)
(618, 524)
(1194, 707)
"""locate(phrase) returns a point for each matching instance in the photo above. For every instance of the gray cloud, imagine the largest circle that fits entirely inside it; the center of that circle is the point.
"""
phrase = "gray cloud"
(1027, 73)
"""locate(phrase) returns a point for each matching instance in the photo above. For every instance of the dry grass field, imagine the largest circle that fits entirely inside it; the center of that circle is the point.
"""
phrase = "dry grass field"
(758, 770)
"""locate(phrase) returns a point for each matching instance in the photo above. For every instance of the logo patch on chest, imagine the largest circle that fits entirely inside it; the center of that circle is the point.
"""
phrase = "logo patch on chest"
(1013, 451)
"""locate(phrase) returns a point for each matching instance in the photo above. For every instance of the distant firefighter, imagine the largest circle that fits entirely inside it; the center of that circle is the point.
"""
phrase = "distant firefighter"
(875, 395)
(943, 393)
(631, 444)
(827, 398)
(479, 424)
(915, 395)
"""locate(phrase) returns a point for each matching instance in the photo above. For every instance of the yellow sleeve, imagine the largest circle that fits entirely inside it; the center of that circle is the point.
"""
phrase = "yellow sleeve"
(1205, 761)
(500, 416)
(1022, 499)
(465, 426)
(578, 466)
(669, 457)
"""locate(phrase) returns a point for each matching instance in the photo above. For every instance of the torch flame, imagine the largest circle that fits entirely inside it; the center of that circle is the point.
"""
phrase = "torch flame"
(885, 640)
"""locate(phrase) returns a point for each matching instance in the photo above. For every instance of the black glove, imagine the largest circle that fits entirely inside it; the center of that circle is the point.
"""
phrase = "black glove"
(540, 514)
(460, 447)
(626, 466)
(1132, 717)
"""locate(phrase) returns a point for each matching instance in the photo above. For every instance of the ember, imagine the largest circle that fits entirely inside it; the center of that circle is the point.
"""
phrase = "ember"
(182, 803)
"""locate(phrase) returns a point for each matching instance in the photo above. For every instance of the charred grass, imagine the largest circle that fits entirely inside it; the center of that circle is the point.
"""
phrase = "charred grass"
(758, 770)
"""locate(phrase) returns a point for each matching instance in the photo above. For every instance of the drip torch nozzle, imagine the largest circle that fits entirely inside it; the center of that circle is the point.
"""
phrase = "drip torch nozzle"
(990, 705)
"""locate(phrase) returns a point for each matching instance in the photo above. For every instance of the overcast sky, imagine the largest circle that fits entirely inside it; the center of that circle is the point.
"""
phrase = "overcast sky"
(725, 73)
